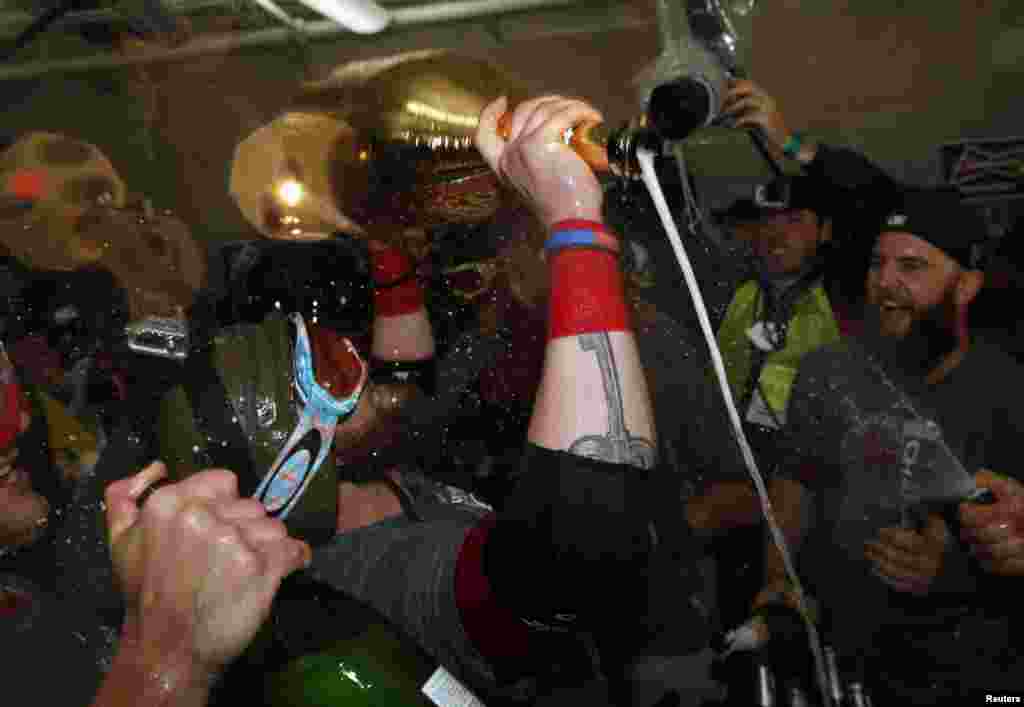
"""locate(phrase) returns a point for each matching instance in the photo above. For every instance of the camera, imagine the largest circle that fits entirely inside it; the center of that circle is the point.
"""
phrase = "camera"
(776, 194)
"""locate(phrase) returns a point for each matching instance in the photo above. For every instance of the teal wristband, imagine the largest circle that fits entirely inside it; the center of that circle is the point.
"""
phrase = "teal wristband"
(793, 145)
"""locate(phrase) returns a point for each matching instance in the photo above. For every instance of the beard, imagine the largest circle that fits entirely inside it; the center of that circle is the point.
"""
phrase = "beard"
(931, 336)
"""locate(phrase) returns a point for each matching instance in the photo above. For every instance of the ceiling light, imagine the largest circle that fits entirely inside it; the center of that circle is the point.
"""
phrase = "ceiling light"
(361, 16)
(290, 192)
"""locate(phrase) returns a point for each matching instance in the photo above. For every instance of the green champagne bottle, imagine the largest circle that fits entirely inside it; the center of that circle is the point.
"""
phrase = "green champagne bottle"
(334, 651)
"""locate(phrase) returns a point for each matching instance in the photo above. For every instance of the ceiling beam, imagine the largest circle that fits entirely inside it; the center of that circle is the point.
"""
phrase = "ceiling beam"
(581, 20)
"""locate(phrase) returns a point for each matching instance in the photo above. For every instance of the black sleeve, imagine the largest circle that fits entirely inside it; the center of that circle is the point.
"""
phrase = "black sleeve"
(864, 191)
(567, 516)
(1005, 378)
(578, 533)
(849, 169)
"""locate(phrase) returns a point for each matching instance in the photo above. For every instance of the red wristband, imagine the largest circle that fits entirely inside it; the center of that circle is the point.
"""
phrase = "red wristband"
(12, 404)
(586, 293)
(396, 288)
(575, 224)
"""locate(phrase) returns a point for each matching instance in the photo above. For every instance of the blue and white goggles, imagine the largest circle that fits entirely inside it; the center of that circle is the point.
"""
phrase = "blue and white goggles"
(296, 465)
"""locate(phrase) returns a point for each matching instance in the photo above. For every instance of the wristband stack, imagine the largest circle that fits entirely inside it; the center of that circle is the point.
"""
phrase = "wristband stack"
(587, 294)
(578, 233)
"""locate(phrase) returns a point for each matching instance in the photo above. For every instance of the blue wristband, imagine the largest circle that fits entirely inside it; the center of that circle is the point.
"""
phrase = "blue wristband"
(581, 238)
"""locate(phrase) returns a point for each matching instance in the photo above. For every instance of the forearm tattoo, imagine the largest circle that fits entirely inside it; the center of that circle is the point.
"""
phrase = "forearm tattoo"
(618, 446)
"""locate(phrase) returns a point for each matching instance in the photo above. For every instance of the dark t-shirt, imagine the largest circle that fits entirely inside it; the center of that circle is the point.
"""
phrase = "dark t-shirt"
(852, 439)
(54, 654)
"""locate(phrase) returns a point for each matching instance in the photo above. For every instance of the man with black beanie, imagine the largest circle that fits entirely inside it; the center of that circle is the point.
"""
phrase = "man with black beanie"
(884, 434)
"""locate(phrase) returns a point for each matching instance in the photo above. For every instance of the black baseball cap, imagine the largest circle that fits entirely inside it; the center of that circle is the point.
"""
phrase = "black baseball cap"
(782, 194)
(939, 216)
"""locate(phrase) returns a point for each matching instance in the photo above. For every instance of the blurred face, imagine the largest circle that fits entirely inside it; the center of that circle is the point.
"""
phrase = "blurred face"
(23, 512)
(375, 426)
(911, 285)
(154, 258)
(784, 240)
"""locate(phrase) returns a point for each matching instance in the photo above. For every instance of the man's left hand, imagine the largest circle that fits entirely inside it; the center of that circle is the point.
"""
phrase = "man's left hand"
(909, 560)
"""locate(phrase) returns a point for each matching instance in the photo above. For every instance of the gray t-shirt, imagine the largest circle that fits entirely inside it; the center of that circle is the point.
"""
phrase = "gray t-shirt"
(851, 439)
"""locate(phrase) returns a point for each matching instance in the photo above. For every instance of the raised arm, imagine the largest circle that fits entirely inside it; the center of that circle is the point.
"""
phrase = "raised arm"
(593, 399)
(847, 170)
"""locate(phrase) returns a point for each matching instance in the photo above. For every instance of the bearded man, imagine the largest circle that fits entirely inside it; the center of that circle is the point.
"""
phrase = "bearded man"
(879, 428)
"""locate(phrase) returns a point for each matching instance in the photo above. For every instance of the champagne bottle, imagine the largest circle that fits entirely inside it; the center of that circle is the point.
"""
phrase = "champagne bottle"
(847, 677)
(771, 623)
(796, 696)
(857, 695)
(835, 682)
(334, 651)
(604, 148)
(764, 684)
(774, 640)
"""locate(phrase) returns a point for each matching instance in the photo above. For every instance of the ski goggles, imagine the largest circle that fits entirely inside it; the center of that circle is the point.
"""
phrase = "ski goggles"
(309, 444)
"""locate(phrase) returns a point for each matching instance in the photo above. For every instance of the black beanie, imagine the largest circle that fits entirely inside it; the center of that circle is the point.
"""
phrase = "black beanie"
(938, 216)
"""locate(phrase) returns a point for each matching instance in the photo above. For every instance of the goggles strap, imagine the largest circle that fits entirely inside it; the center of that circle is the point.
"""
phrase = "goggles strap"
(295, 465)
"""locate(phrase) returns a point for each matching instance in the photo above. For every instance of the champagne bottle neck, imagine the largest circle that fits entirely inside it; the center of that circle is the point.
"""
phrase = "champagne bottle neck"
(603, 147)
(764, 688)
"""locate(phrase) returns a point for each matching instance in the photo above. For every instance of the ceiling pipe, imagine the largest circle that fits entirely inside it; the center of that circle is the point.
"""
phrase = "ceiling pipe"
(362, 16)
(77, 18)
(409, 16)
